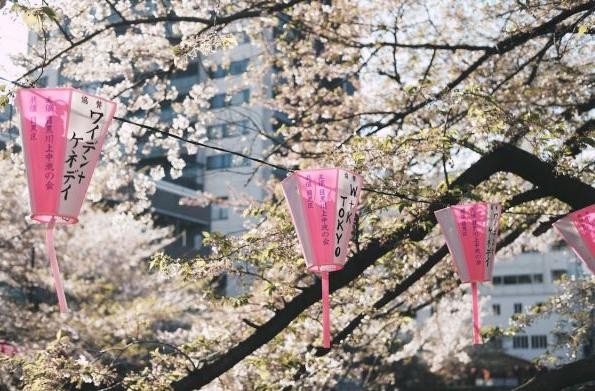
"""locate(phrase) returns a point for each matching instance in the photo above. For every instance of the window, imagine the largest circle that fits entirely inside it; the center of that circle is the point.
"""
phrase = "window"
(524, 279)
(241, 37)
(217, 101)
(538, 278)
(558, 274)
(219, 213)
(216, 131)
(240, 127)
(235, 68)
(520, 342)
(539, 342)
(496, 309)
(518, 279)
(518, 308)
(228, 129)
(216, 162)
(225, 160)
(238, 67)
(217, 71)
(240, 97)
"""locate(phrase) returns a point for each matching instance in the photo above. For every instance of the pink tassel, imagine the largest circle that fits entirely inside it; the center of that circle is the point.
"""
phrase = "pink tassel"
(326, 316)
(476, 333)
(49, 243)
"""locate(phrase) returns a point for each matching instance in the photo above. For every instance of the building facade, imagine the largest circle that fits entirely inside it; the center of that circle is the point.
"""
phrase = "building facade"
(519, 283)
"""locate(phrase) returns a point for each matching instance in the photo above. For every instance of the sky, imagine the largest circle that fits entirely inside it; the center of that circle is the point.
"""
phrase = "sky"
(13, 40)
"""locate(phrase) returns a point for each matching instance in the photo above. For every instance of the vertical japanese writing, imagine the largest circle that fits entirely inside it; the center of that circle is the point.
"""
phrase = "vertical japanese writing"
(49, 169)
(586, 221)
(463, 220)
(33, 118)
(346, 203)
(309, 192)
(493, 216)
(82, 142)
(477, 255)
(322, 193)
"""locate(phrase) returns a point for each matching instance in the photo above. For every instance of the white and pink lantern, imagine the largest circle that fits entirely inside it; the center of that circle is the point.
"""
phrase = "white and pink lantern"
(323, 205)
(62, 131)
(471, 232)
(578, 229)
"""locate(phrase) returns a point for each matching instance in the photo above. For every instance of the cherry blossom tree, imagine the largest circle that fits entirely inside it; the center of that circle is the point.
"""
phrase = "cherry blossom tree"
(433, 102)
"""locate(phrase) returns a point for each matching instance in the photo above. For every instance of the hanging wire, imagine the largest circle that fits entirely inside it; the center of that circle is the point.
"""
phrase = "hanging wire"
(273, 165)
(198, 143)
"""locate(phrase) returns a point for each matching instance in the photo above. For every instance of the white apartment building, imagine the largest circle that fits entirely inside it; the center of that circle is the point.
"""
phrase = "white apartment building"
(519, 283)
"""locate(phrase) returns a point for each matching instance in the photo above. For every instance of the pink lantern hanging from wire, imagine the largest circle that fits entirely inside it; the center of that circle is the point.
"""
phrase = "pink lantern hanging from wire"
(578, 229)
(62, 131)
(323, 204)
(471, 231)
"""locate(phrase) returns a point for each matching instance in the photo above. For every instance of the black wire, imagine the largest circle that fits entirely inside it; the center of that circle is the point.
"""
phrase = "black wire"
(198, 143)
(255, 159)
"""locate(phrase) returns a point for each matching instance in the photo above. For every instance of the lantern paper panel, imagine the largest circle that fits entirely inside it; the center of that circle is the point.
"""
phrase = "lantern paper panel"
(62, 133)
(62, 130)
(578, 229)
(323, 204)
(471, 231)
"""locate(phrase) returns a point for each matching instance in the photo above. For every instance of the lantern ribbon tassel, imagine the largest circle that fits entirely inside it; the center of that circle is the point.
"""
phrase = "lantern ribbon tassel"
(49, 243)
(476, 333)
(326, 316)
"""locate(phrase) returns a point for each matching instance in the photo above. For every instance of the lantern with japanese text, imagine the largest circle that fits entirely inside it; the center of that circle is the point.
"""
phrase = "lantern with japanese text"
(323, 204)
(471, 231)
(578, 229)
(62, 131)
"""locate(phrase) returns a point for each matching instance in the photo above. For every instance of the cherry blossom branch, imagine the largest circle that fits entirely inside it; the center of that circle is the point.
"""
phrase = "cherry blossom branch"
(502, 47)
(208, 22)
(505, 158)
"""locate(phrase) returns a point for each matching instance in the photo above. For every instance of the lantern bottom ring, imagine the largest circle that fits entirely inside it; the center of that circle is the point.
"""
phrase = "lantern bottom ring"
(331, 267)
(58, 219)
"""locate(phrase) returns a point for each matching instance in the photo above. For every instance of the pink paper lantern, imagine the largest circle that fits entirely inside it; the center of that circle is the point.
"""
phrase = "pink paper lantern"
(62, 130)
(578, 229)
(323, 203)
(471, 231)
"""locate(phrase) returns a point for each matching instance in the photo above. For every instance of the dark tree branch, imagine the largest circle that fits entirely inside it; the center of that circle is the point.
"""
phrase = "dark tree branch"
(505, 158)
(427, 266)
(577, 372)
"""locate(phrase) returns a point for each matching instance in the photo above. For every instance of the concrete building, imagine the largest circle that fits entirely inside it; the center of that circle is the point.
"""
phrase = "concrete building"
(237, 125)
(518, 284)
